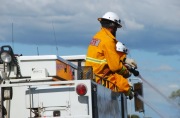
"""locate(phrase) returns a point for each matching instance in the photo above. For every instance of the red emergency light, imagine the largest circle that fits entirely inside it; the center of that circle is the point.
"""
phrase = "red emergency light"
(81, 89)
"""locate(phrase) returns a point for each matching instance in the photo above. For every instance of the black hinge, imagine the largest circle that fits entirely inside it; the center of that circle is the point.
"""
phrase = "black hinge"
(94, 101)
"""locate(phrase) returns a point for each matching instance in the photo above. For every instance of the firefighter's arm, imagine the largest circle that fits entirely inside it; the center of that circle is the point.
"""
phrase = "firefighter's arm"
(115, 61)
(130, 93)
(124, 72)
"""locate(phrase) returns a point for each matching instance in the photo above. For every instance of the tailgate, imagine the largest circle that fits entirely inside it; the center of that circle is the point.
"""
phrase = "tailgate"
(62, 100)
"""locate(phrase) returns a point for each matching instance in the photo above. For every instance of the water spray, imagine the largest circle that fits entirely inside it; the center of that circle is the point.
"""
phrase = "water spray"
(137, 74)
(153, 87)
(148, 104)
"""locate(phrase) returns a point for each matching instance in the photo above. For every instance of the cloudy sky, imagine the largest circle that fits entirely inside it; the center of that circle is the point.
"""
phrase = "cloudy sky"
(65, 27)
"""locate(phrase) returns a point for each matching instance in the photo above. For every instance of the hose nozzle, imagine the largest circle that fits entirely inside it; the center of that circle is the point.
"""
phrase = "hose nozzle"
(134, 71)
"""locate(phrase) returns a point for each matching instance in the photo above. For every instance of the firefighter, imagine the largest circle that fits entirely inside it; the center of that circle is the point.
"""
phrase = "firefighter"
(128, 62)
(104, 58)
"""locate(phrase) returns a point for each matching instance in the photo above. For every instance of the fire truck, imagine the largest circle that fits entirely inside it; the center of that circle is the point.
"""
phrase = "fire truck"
(46, 86)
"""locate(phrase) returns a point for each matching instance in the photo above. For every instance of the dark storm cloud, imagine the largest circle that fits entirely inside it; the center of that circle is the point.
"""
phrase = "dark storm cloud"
(164, 42)
(151, 25)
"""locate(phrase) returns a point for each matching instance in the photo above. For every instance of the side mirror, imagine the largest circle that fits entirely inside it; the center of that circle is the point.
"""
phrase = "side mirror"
(139, 105)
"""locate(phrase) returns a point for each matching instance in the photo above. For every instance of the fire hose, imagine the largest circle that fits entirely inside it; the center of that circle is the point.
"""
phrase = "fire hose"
(148, 104)
(137, 74)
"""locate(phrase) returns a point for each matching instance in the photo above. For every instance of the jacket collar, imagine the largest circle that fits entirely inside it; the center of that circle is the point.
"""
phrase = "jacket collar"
(106, 31)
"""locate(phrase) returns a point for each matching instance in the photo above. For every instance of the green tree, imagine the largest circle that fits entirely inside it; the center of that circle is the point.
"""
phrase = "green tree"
(133, 116)
(175, 95)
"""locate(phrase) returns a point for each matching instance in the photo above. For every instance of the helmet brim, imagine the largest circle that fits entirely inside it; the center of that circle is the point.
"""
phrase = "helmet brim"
(101, 19)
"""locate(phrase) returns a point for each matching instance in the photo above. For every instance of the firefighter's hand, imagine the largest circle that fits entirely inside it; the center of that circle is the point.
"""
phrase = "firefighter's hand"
(126, 73)
(131, 62)
(130, 93)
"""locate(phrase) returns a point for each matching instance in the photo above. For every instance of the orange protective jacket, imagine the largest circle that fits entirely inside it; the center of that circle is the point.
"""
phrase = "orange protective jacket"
(102, 56)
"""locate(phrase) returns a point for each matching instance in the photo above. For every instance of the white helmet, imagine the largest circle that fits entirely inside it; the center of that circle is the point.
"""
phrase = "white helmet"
(121, 47)
(111, 16)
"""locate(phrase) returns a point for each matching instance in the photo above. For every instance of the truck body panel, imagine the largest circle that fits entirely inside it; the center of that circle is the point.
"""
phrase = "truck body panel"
(35, 94)
(48, 99)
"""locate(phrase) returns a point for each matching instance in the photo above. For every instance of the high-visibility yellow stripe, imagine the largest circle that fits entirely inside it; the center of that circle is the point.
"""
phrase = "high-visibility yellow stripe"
(122, 70)
(96, 60)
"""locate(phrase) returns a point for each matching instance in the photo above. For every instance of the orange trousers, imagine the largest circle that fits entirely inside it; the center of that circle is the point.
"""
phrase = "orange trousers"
(115, 82)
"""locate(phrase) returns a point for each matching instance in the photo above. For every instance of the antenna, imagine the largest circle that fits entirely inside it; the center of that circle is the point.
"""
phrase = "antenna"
(12, 36)
(55, 37)
(37, 51)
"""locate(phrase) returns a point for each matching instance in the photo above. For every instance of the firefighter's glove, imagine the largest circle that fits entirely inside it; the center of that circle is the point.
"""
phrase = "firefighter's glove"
(131, 62)
(125, 72)
(130, 93)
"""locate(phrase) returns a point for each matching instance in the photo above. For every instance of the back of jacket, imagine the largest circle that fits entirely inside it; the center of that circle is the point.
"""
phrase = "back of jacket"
(102, 54)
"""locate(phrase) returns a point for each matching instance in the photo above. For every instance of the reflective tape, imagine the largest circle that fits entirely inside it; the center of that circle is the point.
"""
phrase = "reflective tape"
(96, 60)
(122, 70)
